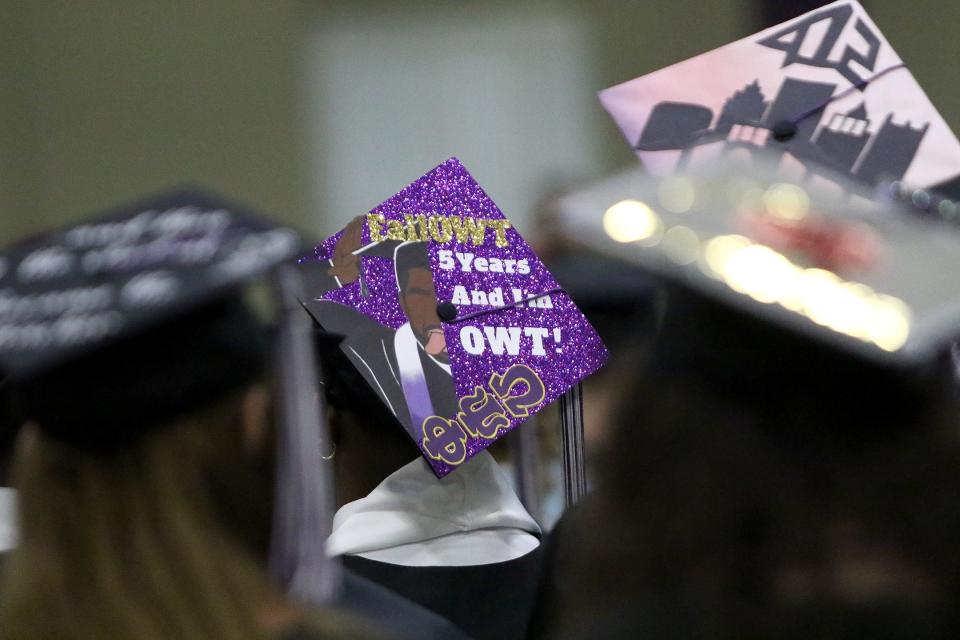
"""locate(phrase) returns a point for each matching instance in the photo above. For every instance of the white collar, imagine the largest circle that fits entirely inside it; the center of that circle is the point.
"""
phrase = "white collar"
(469, 517)
(8, 519)
(405, 339)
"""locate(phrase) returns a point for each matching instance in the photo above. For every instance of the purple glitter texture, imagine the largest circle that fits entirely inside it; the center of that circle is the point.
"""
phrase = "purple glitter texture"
(449, 190)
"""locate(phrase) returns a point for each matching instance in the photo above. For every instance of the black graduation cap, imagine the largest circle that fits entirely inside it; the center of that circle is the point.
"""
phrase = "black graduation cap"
(120, 324)
(135, 316)
(69, 291)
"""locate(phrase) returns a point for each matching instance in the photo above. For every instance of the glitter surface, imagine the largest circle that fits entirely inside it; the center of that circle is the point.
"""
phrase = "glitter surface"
(549, 335)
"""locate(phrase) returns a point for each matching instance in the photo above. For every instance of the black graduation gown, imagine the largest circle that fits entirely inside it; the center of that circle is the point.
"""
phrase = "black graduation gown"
(487, 601)
(585, 588)
(403, 618)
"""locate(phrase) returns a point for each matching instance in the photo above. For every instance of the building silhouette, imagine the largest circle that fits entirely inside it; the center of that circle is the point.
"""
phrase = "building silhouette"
(746, 106)
(845, 143)
(890, 152)
(844, 137)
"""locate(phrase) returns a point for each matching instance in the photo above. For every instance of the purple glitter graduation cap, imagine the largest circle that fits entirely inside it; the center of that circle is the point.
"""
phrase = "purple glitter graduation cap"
(449, 315)
(825, 93)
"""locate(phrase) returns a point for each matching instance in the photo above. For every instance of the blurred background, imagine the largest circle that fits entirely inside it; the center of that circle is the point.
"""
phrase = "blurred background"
(315, 111)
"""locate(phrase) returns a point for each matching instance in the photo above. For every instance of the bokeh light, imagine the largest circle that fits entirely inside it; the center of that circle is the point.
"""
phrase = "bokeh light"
(631, 221)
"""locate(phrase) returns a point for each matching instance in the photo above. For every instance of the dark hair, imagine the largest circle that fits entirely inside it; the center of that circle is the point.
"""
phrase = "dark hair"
(759, 484)
(345, 389)
(410, 256)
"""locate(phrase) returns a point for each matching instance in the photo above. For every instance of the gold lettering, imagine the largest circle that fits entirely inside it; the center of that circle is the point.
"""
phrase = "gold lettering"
(374, 220)
(411, 227)
(472, 228)
(440, 229)
(500, 227)
(395, 230)
(424, 231)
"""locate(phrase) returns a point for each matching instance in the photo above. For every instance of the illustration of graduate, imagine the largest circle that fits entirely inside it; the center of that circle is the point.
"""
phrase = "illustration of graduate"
(425, 294)
(409, 367)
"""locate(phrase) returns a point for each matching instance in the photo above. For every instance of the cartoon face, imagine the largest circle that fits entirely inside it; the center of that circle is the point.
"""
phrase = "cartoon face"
(418, 298)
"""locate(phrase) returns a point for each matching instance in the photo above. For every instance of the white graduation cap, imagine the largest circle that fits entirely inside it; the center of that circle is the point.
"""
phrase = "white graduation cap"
(825, 92)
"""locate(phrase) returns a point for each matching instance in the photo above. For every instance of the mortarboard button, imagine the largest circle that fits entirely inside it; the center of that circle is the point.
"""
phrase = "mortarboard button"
(784, 130)
(447, 311)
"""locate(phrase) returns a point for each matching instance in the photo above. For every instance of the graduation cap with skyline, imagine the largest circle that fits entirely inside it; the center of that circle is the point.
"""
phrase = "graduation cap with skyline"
(825, 93)
(449, 316)
(71, 291)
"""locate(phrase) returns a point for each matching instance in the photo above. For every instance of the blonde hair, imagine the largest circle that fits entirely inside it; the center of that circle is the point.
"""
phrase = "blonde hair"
(139, 542)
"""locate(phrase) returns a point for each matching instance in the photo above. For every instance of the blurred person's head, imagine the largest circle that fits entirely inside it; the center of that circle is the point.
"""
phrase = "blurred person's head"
(369, 442)
(760, 484)
(145, 475)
